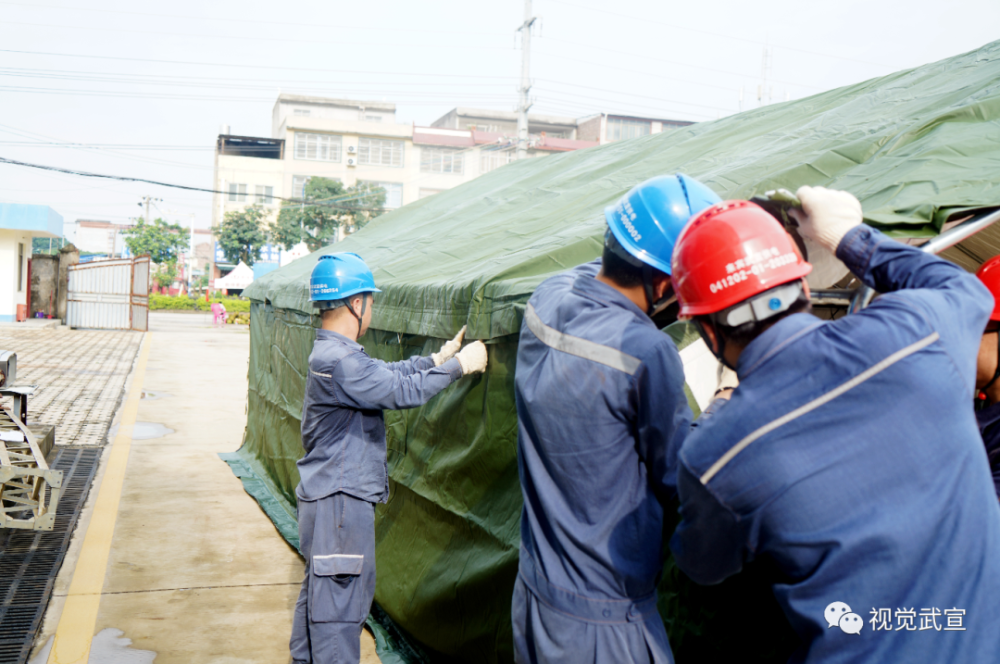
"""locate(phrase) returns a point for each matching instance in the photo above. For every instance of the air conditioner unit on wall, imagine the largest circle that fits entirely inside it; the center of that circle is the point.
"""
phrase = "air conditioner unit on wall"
(350, 162)
(351, 149)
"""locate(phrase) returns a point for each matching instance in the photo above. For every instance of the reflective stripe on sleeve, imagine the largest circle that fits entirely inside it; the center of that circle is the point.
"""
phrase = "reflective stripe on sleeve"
(321, 375)
(816, 403)
(588, 350)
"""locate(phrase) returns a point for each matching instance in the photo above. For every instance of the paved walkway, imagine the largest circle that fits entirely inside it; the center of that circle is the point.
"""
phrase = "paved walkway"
(171, 553)
(80, 376)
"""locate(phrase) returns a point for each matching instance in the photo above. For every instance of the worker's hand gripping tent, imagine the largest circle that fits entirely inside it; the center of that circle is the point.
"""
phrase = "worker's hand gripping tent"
(337, 277)
(644, 224)
(730, 253)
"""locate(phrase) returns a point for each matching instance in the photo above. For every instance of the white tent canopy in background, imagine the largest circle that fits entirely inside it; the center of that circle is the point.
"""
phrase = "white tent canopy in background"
(239, 278)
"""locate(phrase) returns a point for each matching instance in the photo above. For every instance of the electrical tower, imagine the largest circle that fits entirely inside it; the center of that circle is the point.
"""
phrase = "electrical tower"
(525, 104)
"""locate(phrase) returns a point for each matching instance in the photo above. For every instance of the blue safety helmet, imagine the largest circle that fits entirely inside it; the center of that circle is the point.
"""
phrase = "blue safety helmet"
(339, 276)
(647, 220)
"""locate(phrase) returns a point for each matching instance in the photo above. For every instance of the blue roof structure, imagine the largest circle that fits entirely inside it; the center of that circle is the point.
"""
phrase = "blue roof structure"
(39, 220)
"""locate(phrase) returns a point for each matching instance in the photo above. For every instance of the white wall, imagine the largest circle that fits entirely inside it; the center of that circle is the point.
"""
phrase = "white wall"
(10, 296)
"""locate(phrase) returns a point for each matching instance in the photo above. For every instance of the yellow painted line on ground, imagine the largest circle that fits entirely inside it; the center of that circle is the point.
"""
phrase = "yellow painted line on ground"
(79, 615)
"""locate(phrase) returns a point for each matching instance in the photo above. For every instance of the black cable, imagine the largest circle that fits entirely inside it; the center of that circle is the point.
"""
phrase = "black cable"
(4, 160)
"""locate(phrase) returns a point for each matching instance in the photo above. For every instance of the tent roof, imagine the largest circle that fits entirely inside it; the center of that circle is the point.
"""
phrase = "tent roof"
(916, 147)
(240, 277)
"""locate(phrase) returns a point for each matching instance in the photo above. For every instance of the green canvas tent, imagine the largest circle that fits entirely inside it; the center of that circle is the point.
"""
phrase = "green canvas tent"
(918, 148)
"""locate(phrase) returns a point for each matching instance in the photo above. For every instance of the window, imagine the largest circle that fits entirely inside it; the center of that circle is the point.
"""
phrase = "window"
(237, 192)
(393, 193)
(263, 195)
(494, 159)
(378, 152)
(20, 266)
(620, 129)
(441, 160)
(299, 183)
(302, 111)
(317, 147)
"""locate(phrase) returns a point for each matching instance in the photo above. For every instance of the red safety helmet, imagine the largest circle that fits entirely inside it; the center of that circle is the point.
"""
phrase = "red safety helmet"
(729, 253)
(989, 274)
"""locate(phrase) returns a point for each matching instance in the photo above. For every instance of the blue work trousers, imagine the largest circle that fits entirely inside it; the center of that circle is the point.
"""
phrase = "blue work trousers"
(337, 538)
(555, 625)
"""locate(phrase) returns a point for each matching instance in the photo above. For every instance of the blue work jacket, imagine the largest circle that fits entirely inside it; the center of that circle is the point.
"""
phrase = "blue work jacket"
(601, 414)
(849, 457)
(989, 428)
(343, 432)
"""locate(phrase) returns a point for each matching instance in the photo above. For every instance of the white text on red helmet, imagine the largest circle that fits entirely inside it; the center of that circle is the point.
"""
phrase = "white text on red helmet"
(755, 269)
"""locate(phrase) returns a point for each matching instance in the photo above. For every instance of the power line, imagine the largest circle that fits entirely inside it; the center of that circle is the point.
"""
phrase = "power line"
(268, 23)
(34, 135)
(648, 20)
(254, 67)
(122, 178)
(214, 81)
(673, 62)
(214, 37)
(115, 94)
(107, 146)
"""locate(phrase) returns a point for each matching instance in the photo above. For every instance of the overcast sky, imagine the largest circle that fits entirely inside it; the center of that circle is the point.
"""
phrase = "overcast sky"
(147, 85)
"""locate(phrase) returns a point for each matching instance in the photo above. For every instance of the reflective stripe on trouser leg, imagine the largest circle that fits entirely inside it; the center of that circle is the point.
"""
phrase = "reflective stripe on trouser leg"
(337, 538)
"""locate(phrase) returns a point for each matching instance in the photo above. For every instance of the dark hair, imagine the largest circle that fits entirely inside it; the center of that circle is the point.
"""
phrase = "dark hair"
(742, 335)
(619, 270)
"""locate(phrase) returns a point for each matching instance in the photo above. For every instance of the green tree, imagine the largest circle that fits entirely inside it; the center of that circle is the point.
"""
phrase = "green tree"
(166, 274)
(161, 240)
(242, 234)
(328, 206)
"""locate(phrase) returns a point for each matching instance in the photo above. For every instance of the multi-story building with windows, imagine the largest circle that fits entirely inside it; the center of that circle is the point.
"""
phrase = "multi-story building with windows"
(361, 142)
(604, 128)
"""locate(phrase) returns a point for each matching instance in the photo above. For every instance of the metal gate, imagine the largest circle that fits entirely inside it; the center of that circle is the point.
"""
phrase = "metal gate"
(109, 295)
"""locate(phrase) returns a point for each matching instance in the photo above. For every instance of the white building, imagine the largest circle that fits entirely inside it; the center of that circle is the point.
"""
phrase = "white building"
(360, 141)
(98, 237)
(605, 128)
(19, 224)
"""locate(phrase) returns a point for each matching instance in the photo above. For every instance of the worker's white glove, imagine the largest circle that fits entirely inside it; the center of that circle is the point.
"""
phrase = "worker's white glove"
(727, 380)
(449, 349)
(828, 215)
(472, 358)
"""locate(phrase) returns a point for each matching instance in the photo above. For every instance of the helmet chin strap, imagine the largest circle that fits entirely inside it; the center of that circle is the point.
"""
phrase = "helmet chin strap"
(720, 342)
(364, 303)
(654, 305)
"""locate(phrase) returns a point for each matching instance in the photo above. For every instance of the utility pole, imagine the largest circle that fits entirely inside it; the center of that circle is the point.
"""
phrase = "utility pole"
(522, 110)
(146, 200)
(765, 69)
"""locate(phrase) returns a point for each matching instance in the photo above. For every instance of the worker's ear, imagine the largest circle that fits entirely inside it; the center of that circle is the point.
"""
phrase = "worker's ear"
(662, 287)
(709, 335)
(356, 305)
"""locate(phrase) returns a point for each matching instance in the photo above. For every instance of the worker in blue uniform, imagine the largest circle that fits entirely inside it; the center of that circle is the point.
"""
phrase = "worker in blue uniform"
(848, 456)
(343, 473)
(988, 372)
(601, 412)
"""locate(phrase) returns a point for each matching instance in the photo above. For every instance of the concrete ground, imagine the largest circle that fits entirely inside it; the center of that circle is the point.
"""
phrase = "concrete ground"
(79, 373)
(196, 572)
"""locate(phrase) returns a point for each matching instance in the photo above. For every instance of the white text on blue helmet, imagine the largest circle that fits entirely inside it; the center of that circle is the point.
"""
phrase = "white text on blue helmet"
(627, 216)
